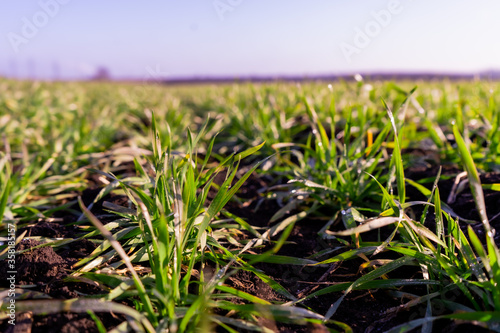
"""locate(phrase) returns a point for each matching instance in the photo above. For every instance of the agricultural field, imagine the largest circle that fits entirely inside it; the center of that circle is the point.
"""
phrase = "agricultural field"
(280, 207)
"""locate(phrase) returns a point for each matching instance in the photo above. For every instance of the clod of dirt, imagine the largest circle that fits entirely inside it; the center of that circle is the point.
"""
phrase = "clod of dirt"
(35, 267)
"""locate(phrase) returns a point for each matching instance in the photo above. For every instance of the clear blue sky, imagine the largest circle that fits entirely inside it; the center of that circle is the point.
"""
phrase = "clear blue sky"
(155, 38)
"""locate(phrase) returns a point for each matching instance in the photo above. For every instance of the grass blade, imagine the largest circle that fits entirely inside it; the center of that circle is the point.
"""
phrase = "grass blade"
(474, 181)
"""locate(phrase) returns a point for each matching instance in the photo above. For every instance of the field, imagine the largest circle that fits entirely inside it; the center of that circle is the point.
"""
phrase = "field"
(280, 207)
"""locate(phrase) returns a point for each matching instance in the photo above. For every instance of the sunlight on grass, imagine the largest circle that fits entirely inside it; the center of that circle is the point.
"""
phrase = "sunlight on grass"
(187, 160)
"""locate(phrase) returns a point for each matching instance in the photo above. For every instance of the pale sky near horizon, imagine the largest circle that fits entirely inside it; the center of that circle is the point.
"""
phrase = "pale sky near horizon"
(69, 39)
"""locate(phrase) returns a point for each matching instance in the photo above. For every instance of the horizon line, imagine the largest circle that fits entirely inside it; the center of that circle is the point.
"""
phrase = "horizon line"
(491, 74)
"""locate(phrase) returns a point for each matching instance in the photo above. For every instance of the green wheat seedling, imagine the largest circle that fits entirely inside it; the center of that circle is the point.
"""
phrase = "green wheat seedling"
(175, 232)
(32, 192)
(336, 174)
(447, 259)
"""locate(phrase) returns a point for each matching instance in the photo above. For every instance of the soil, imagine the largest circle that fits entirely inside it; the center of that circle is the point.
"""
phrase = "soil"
(44, 269)
(363, 311)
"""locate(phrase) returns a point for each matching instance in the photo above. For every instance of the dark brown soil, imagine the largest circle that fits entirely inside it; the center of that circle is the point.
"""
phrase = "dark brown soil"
(363, 311)
(44, 269)
(464, 205)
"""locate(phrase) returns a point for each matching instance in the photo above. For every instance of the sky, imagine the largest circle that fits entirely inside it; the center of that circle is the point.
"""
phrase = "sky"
(161, 39)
